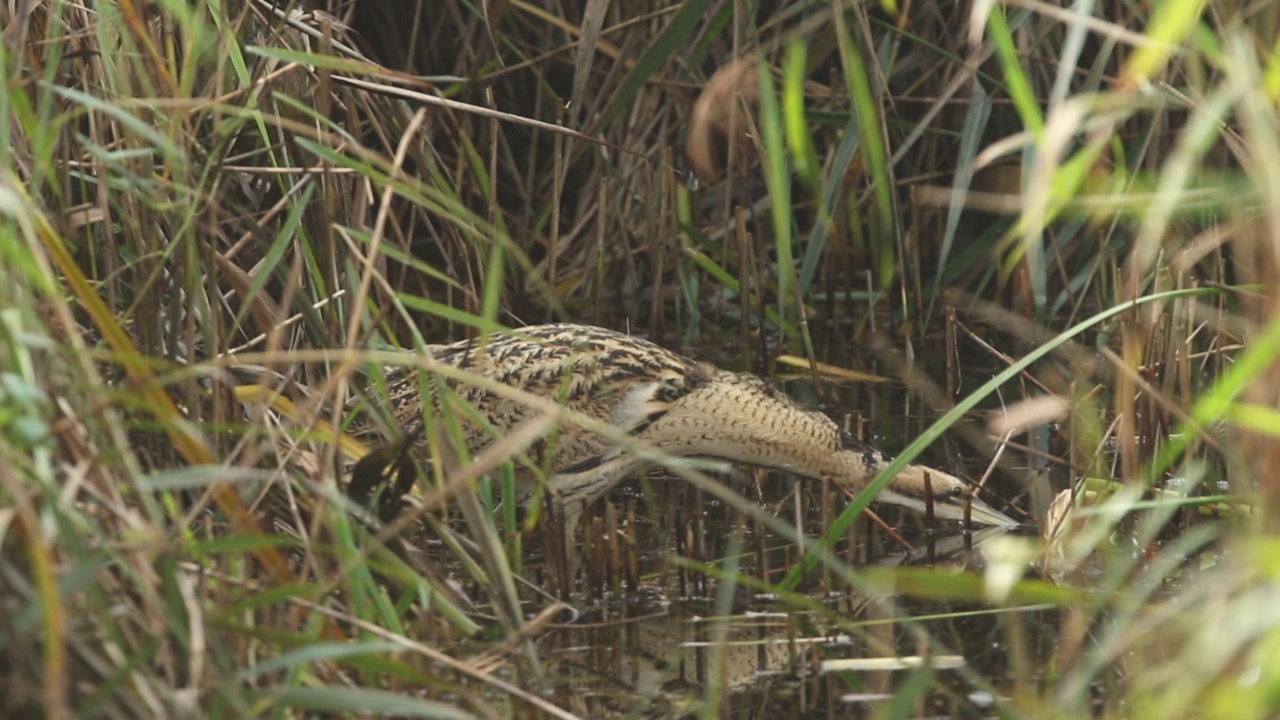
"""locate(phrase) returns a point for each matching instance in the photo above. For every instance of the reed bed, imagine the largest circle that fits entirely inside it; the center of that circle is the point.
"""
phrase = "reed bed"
(1051, 232)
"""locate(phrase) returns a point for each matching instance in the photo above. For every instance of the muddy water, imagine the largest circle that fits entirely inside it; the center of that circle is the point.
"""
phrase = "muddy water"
(664, 643)
(769, 659)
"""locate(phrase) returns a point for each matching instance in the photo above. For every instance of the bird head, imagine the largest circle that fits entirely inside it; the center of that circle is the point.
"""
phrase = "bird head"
(950, 494)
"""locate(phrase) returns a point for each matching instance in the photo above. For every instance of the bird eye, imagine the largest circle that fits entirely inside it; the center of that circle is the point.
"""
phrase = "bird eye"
(957, 491)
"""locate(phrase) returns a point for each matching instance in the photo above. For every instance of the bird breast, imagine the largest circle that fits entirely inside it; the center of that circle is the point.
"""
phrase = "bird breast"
(742, 419)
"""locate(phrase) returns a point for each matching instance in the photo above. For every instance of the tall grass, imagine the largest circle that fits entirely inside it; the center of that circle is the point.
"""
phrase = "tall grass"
(1080, 200)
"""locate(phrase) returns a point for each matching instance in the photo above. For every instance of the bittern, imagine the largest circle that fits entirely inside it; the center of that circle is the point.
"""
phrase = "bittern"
(667, 402)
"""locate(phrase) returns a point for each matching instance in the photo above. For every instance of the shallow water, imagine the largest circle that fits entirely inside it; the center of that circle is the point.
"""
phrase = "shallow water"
(665, 643)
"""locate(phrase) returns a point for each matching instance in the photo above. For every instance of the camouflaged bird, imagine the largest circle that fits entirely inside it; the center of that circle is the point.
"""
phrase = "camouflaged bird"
(669, 402)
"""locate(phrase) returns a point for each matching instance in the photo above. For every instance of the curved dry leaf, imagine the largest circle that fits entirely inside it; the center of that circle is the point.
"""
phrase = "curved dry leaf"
(715, 109)
(1060, 511)
(1022, 416)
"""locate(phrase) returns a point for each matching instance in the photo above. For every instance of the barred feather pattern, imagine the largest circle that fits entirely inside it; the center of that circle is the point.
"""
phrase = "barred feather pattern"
(667, 401)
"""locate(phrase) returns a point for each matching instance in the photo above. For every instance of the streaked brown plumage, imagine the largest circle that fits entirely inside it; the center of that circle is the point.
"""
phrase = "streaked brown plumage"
(671, 403)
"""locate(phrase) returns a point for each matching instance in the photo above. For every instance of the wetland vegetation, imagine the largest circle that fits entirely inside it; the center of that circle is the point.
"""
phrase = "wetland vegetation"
(1035, 245)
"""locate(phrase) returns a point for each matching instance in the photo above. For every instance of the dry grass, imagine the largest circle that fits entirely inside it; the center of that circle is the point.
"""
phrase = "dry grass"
(1082, 202)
